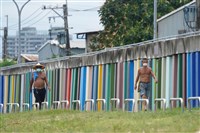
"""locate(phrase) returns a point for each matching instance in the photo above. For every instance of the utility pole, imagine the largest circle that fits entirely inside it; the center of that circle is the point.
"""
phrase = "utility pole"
(65, 12)
(5, 38)
(19, 40)
(155, 20)
(65, 18)
(198, 14)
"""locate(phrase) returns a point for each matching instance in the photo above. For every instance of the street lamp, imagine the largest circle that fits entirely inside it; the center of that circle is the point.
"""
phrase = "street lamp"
(19, 40)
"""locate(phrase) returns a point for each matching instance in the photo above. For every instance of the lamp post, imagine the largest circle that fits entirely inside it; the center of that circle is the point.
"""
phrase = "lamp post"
(19, 39)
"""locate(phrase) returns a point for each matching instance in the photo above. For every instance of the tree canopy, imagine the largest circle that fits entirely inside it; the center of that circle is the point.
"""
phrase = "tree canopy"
(129, 21)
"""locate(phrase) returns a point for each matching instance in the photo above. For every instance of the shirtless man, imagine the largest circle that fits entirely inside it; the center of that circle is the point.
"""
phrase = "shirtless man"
(39, 81)
(144, 74)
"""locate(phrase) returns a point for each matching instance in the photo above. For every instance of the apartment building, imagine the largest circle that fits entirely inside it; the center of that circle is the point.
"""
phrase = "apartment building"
(31, 41)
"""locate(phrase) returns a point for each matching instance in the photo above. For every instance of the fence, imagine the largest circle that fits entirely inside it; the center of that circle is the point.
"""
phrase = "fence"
(111, 74)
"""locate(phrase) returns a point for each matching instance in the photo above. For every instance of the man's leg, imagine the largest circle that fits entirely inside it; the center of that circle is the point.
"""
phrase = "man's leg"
(42, 96)
(144, 104)
(143, 95)
(37, 97)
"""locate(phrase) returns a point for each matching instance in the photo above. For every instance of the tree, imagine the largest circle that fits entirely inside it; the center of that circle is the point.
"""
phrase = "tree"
(7, 62)
(129, 21)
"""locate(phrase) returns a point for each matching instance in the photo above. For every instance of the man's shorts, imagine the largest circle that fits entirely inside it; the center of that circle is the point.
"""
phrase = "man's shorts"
(144, 89)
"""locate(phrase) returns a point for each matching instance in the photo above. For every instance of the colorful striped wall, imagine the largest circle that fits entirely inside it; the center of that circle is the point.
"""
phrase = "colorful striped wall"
(178, 76)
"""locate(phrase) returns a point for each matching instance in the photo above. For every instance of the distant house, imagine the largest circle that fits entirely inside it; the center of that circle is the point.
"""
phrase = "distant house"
(179, 21)
(77, 47)
(87, 36)
(52, 49)
(29, 58)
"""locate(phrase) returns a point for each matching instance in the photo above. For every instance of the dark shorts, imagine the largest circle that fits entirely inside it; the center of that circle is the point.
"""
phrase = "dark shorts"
(39, 96)
(144, 89)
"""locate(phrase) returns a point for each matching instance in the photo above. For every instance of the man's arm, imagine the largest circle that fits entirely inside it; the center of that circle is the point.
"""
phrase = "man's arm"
(46, 81)
(153, 75)
(137, 78)
(31, 83)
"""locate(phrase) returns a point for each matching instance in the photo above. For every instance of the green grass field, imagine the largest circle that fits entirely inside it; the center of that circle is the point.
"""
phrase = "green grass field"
(116, 121)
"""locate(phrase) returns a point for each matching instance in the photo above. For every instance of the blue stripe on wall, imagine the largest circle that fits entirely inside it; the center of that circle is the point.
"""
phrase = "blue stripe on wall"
(95, 83)
(188, 75)
(193, 83)
(198, 72)
(131, 82)
(1, 89)
(83, 87)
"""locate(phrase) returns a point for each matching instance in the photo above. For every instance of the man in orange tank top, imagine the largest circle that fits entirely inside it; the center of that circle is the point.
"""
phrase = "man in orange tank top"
(144, 74)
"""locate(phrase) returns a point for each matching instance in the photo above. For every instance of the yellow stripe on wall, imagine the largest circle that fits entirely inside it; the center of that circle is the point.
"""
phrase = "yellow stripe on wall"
(13, 89)
(5, 92)
(100, 85)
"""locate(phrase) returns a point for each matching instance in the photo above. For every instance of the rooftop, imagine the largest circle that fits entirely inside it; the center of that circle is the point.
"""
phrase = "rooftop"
(30, 57)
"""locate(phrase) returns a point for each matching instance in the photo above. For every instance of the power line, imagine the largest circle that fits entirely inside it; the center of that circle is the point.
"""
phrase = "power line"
(89, 9)
(37, 15)
(92, 9)
(26, 23)
(33, 18)
(39, 19)
(26, 17)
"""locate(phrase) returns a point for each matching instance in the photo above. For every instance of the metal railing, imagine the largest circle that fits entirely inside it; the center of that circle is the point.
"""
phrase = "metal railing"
(89, 101)
(56, 104)
(161, 100)
(177, 99)
(192, 98)
(1, 107)
(64, 102)
(78, 102)
(36, 105)
(11, 105)
(129, 100)
(44, 105)
(144, 100)
(103, 101)
(60, 104)
(114, 100)
(24, 105)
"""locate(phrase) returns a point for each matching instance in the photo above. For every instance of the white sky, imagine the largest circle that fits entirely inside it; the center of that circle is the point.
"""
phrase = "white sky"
(33, 15)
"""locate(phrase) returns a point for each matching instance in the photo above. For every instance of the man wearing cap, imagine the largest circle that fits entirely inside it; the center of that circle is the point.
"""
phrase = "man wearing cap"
(39, 82)
(144, 74)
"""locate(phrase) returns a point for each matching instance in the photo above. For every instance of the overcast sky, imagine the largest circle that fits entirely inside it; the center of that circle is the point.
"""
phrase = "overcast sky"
(34, 16)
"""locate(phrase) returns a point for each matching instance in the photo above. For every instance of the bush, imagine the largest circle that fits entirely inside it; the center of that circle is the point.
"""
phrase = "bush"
(7, 62)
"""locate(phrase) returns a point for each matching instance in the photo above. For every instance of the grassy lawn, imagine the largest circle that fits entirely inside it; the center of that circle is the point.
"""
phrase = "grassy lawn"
(117, 121)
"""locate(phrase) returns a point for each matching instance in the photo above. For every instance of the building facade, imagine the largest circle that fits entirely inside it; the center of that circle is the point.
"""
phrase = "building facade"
(55, 49)
(179, 21)
(31, 41)
(88, 37)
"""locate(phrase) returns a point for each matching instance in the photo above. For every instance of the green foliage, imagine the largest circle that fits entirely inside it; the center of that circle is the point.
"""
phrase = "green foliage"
(7, 62)
(129, 21)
